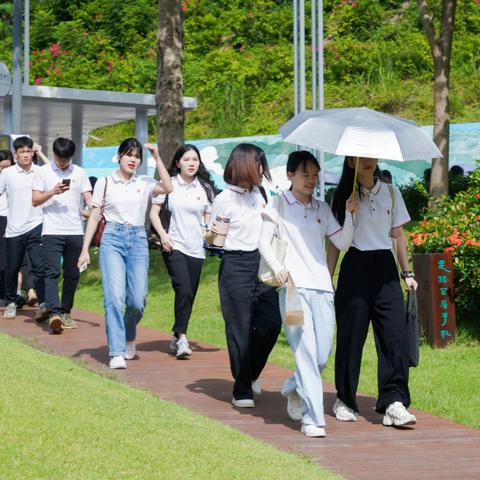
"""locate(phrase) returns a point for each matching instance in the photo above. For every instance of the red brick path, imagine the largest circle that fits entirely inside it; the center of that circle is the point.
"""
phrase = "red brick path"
(434, 449)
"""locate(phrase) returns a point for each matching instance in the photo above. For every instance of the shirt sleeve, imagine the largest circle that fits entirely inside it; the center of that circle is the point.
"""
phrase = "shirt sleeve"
(159, 199)
(400, 212)
(38, 183)
(219, 206)
(3, 183)
(97, 198)
(85, 185)
(332, 224)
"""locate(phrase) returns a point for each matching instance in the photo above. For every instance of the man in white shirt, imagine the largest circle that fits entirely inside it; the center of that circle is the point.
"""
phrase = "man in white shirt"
(24, 226)
(59, 187)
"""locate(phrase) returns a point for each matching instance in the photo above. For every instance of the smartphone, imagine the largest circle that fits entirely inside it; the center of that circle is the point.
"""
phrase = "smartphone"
(83, 267)
(66, 182)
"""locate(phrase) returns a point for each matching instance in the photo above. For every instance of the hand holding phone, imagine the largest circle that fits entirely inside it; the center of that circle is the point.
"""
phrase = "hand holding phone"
(83, 267)
(66, 182)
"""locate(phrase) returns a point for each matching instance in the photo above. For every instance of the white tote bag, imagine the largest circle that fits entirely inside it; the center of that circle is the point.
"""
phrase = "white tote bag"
(279, 247)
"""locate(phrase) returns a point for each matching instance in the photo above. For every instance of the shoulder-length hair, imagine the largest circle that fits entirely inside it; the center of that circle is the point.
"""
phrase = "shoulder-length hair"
(247, 164)
(127, 147)
(203, 174)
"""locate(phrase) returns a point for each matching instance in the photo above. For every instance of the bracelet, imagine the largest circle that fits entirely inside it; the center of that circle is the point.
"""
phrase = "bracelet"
(406, 274)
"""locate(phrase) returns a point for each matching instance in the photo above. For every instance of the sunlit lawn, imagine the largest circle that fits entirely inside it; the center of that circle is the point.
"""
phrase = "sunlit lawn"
(445, 384)
(61, 421)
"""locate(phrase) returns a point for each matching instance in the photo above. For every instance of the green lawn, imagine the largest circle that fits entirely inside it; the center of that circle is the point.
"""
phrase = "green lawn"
(445, 383)
(61, 421)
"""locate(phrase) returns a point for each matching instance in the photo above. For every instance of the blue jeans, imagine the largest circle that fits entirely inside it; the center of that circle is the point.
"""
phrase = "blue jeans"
(124, 267)
(311, 344)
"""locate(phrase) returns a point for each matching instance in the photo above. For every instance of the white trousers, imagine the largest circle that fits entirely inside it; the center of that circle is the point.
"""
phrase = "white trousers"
(311, 344)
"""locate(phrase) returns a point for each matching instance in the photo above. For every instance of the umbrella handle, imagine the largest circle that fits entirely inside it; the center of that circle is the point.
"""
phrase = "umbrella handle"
(355, 178)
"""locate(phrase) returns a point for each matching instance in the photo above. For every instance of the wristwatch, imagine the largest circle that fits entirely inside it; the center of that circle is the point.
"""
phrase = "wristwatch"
(406, 274)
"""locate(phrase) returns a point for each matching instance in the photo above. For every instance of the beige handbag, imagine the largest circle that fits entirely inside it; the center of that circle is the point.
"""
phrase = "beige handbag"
(279, 247)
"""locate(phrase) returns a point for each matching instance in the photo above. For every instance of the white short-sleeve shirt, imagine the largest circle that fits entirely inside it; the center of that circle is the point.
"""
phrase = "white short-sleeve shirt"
(126, 201)
(61, 214)
(381, 209)
(16, 185)
(188, 203)
(244, 209)
(304, 227)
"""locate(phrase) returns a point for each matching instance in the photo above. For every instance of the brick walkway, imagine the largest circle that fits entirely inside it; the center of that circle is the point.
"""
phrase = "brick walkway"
(434, 449)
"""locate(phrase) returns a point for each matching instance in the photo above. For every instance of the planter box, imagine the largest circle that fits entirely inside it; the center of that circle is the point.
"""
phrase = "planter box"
(436, 307)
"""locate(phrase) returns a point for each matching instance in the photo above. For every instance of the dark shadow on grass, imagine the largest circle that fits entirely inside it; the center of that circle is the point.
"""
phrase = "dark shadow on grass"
(270, 407)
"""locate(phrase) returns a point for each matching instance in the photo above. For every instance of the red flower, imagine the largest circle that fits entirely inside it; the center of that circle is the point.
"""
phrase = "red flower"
(454, 238)
(54, 47)
(478, 194)
(38, 81)
(449, 250)
(420, 239)
(110, 65)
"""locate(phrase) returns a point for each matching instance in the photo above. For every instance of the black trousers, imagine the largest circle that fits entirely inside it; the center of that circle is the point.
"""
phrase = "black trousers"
(252, 318)
(369, 289)
(56, 247)
(3, 255)
(30, 243)
(184, 272)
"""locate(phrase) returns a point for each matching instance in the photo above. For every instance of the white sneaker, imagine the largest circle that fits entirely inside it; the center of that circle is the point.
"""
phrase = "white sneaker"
(256, 387)
(243, 403)
(10, 311)
(183, 349)
(313, 431)
(117, 362)
(129, 350)
(173, 343)
(397, 415)
(294, 406)
(344, 413)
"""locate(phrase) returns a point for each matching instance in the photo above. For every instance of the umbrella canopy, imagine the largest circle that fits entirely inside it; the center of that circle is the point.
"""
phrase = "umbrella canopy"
(360, 132)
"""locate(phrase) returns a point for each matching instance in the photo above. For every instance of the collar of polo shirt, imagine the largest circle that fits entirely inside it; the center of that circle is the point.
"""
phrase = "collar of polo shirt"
(290, 198)
(56, 168)
(21, 170)
(117, 178)
(183, 183)
(374, 190)
(237, 189)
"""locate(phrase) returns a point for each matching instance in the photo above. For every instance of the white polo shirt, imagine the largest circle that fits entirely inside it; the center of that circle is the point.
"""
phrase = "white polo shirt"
(16, 185)
(244, 209)
(375, 218)
(188, 203)
(61, 214)
(126, 201)
(304, 227)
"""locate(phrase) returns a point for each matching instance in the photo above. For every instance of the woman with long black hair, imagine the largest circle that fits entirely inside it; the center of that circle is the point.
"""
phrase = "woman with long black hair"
(250, 308)
(369, 289)
(190, 206)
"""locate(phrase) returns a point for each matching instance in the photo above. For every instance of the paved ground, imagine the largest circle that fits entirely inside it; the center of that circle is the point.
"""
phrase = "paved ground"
(434, 449)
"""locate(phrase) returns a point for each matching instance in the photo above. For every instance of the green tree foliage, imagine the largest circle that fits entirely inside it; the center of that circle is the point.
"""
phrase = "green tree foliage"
(239, 57)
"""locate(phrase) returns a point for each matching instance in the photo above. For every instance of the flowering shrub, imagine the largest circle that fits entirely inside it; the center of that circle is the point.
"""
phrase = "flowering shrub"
(453, 226)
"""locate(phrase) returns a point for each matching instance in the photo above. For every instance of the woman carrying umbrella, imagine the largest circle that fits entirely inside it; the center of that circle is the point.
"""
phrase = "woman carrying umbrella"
(369, 289)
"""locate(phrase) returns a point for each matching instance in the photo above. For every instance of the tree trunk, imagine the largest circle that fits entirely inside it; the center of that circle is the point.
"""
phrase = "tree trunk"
(440, 40)
(169, 92)
(441, 129)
